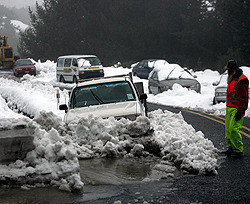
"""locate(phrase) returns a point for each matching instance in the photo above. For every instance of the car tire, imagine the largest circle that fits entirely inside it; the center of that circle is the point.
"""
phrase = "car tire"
(159, 90)
(214, 101)
(149, 91)
(61, 79)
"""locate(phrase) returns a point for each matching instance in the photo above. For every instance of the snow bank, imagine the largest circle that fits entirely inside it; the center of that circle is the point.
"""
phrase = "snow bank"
(53, 161)
(29, 97)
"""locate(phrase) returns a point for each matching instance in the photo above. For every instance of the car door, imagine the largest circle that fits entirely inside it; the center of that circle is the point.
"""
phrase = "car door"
(67, 69)
(154, 83)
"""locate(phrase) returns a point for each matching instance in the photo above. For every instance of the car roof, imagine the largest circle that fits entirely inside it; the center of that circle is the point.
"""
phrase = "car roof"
(22, 59)
(76, 56)
(103, 80)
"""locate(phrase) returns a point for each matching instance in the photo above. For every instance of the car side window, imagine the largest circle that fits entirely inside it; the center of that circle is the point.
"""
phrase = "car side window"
(140, 65)
(60, 62)
(74, 62)
(67, 62)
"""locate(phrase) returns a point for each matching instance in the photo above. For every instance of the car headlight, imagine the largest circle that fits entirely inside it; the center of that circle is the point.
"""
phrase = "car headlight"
(197, 85)
(221, 94)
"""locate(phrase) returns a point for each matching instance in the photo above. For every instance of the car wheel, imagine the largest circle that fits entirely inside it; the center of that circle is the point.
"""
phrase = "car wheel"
(62, 79)
(149, 91)
(214, 101)
(159, 90)
(75, 79)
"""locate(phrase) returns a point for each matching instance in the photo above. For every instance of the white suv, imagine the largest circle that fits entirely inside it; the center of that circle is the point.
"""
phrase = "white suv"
(105, 97)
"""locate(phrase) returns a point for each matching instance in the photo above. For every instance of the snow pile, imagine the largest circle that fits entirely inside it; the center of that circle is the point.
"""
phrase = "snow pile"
(5, 112)
(53, 161)
(171, 136)
(29, 97)
(181, 144)
(94, 136)
(19, 26)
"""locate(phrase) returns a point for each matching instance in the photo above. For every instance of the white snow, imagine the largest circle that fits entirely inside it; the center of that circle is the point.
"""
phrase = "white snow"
(18, 25)
(58, 146)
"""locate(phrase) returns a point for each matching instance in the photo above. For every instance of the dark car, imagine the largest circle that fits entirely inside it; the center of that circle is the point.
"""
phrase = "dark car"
(144, 67)
(163, 77)
(24, 66)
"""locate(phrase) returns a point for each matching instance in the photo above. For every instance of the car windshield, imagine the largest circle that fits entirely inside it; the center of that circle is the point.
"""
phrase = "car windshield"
(24, 62)
(88, 61)
(172, 71)
(102, 94)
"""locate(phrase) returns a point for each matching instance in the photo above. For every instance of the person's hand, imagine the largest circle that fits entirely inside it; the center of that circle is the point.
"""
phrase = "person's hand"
(238, 116)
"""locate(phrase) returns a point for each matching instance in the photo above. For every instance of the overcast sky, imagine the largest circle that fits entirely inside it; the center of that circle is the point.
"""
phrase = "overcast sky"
(19, 3)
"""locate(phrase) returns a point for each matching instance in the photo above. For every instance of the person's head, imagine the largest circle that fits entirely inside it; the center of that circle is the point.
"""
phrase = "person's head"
(231, 65)
(231, 68)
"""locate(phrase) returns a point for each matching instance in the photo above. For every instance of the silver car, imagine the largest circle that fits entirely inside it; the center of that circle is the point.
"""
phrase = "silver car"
(220, 93)
(163, 77)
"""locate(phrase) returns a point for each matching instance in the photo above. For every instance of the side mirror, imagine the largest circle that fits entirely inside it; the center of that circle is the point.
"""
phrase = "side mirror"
(143, 96)
(195, 76)
(216, 83)
(63, 107)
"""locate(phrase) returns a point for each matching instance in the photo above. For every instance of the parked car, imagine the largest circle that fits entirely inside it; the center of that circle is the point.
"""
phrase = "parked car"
(221, 86)
(105, 97)
(144, 67)
(164, 76)
(24, 66)
(71, 68)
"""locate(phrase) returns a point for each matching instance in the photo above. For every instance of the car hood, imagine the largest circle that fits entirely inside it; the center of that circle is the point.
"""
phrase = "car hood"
(105, 110)
(182, 82)
(25, 66)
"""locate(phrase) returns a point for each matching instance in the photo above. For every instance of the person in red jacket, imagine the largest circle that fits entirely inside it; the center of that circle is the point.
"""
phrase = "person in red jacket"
(236, 105)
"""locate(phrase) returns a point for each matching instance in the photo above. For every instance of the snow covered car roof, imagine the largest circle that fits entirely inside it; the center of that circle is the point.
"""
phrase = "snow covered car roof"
(103, 80)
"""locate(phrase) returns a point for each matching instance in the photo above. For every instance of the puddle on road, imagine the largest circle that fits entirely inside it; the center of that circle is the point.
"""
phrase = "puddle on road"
(121, 170)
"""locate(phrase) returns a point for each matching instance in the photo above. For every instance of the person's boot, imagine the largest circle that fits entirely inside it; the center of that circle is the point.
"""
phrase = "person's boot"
(228, 151)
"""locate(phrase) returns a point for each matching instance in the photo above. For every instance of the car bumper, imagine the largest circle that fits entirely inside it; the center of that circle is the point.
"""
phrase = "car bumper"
(91, 74)
(31, 72)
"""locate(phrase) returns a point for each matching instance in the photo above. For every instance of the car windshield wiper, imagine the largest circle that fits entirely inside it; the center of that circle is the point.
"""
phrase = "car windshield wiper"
(96, 97)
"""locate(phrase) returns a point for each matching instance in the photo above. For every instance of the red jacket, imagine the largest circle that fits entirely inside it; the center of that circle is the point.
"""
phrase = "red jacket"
(237, 92)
